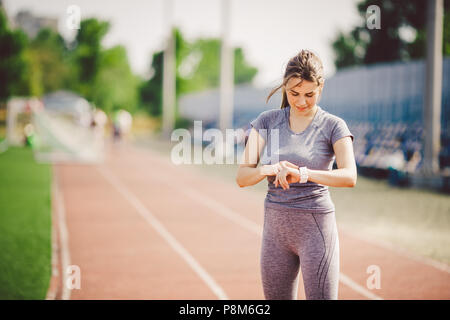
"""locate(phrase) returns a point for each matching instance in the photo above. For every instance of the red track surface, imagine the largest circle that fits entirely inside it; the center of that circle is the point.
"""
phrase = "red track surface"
(122, 256)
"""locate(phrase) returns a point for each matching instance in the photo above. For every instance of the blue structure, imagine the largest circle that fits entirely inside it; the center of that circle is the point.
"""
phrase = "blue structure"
(383, 105)
(384, 93)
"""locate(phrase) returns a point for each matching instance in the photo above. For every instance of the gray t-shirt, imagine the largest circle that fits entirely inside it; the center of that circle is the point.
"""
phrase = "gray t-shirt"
(313, 148)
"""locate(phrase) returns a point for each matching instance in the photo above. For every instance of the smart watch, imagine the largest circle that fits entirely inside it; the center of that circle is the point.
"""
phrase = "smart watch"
(303, 174)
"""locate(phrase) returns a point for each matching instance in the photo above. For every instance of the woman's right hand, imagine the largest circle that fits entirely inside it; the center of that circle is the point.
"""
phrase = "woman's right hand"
(270, 169)
(273, 169)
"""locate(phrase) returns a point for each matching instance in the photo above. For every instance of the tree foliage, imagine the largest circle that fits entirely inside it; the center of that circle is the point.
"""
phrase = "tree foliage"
(364, 46)
(14, 66)
(87, 55)
(198, 68)
(151, 90)
(115, 87)
(48, 56)
(48, 63)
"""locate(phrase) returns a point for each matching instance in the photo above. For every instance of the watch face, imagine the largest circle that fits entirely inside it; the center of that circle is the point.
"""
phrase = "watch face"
(303, 175)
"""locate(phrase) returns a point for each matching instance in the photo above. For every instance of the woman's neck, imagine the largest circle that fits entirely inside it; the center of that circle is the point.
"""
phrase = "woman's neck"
(297, 115)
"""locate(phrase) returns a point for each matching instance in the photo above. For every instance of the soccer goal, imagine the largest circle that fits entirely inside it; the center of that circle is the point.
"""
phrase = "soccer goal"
(55, 134)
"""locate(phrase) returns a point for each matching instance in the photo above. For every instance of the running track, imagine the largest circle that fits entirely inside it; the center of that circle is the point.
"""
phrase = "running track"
(140, 227)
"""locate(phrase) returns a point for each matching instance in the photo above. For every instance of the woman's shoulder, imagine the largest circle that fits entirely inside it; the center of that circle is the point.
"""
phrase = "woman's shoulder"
(271, 112)
(272, 116)
(330, 119)
(334, 127)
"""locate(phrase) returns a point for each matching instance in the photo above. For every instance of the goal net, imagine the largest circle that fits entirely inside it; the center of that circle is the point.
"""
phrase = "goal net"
(56, 135)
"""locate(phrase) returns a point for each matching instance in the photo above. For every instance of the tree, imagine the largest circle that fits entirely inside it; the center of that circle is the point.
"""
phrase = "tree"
(103, 76)
(50, 68)
(151, 90)
(14, 64)
(349, 50)
(45, 64)
(87, 54)
(243, 72)
(198, 68)
(115, 87)
(204, 54)
(364, 46)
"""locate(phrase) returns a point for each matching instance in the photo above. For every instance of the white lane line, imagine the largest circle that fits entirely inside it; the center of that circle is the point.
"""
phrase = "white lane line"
(360, 289)
(253, 227)
(53, 287)
(64, 237)
(158, 226)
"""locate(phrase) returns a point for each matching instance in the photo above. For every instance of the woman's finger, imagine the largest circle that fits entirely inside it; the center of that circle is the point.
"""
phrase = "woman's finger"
(280, 178)
(283, 181)
(277, 167)
(288, 164)
(295, 175)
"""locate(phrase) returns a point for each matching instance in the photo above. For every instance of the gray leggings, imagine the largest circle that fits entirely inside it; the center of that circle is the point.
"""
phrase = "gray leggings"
(292, 239)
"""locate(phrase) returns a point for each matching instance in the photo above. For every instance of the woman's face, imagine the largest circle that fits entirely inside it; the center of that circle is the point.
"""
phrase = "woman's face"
(302, 95)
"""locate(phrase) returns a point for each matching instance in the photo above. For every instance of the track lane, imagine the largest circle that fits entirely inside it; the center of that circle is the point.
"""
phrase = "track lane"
(120, 257)
(228, 251)
(159, 176)
(401, 276)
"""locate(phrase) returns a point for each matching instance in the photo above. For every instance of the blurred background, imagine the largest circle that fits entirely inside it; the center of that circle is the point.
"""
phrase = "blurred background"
(80, 77)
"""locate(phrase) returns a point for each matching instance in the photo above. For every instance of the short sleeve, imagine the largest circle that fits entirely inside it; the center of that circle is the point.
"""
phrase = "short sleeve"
(260, 124)
(340, 130)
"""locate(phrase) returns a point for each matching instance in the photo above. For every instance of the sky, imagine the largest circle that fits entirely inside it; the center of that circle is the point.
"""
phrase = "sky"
(269, 31)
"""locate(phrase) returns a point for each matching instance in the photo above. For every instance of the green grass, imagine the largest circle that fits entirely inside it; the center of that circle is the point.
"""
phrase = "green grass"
(2, 132)
(25, 226)
(413, 219)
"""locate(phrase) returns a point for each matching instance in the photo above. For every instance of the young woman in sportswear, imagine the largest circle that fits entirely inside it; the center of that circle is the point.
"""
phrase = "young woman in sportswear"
(303, 141)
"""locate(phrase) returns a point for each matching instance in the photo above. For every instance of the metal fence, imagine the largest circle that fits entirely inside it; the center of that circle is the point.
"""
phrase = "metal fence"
(384, 93)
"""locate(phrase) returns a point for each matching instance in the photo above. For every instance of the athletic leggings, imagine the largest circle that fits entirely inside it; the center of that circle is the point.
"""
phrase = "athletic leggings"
(292, 239)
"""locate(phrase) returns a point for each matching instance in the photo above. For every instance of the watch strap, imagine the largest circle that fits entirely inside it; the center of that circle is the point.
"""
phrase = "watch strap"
(303, 174)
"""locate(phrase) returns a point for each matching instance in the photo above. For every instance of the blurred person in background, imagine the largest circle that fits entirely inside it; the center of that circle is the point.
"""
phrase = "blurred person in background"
(122, 121)
(98, 123)
(299, 215)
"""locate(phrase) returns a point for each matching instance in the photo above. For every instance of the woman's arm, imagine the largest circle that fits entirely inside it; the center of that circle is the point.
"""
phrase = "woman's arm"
(334, 178)
(248, 174)
(344, 176)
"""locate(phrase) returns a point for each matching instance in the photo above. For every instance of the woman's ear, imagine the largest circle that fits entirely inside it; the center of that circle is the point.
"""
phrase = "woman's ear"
(320, 92)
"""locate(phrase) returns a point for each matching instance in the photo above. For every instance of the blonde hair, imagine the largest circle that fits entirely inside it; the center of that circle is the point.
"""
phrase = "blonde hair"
(306, 66)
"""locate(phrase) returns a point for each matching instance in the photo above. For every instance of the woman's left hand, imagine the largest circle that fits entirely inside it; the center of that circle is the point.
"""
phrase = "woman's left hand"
(286, 176)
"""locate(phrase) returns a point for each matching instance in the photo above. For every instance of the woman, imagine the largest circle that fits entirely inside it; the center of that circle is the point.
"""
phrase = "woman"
(299, 215)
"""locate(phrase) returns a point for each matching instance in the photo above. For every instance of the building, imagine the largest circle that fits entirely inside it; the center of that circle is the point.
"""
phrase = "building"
(31, 24)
